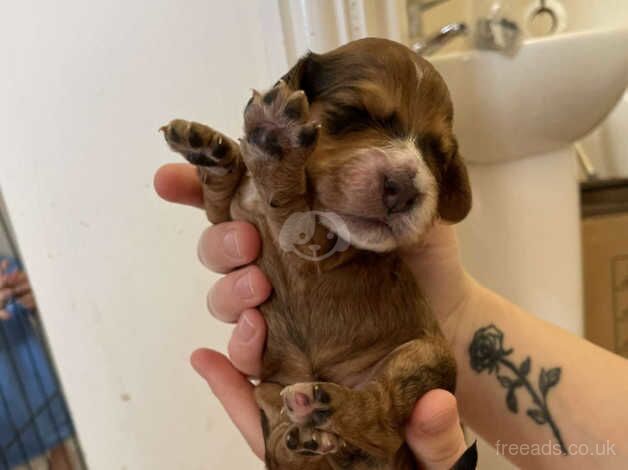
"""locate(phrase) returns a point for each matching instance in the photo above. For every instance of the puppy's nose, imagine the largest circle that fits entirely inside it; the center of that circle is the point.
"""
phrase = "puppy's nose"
(400, 193)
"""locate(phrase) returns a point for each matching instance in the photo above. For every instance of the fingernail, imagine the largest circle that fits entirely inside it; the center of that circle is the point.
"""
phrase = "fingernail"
(231, 245)
(243, 287)
(245, 329)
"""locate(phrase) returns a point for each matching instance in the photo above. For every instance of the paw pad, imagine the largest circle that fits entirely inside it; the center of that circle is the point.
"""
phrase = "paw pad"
(307, 403)
(311, 441)
(199, 144)
(277, 123)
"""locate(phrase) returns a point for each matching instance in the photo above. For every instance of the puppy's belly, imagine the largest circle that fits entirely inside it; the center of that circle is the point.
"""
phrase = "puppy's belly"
(335, 326)
(339, 341)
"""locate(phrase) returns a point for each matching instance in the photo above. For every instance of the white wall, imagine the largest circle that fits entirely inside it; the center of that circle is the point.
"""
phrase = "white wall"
(84, 87)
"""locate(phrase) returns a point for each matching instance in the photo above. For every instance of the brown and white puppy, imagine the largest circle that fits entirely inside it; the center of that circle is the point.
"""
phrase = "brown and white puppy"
(348, 158)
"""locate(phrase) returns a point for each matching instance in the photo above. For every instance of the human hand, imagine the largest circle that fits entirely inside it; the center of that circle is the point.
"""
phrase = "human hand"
(437, 268)
(14, 286)
(433, 432)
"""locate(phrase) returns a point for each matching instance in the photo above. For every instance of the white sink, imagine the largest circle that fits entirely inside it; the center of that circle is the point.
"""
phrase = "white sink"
(551, 94)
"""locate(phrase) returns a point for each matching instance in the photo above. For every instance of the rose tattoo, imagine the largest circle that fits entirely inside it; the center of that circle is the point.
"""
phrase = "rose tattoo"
(487, 353)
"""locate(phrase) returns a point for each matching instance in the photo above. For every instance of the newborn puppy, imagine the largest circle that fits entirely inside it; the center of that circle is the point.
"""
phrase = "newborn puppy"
(348, 158)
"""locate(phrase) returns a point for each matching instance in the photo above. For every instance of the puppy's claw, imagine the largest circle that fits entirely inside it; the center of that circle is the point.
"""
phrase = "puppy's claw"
(297, 107)
(200, 145)
(310, 441)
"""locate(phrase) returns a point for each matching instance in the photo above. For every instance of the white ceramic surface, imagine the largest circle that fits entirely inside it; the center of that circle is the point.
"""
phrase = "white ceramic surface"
(552, 93)
(607, 147)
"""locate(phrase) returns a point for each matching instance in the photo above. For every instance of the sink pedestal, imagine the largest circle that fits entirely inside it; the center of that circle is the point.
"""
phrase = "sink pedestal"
(522, 238)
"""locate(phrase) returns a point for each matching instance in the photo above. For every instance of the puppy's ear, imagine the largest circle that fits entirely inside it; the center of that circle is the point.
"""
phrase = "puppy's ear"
(454, 199)
(302, 76)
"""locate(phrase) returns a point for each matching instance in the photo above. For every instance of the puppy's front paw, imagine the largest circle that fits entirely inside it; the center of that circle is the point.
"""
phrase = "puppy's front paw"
(200, 144)
(311, 403)
(307, 440)
(277, 125)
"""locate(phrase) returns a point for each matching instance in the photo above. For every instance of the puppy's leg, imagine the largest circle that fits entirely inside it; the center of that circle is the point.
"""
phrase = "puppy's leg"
(217, 159)
(289, 446)
(279, 139)
(372, 418)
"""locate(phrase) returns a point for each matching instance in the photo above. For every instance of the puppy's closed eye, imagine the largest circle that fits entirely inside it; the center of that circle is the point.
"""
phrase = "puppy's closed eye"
(344, 119)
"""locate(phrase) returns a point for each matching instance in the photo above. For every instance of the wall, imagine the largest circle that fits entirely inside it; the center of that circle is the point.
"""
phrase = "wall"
(84, 88)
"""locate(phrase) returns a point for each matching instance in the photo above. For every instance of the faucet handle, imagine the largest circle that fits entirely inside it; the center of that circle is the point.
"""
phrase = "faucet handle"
(498, 33)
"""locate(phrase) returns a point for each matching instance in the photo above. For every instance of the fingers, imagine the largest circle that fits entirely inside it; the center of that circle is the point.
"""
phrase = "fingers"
(5, 295)
(222, 248)
(27, 301)
(230, 245)
(236, 292)
(4, 315)
(434, 433)
(234, 392)
(178, 182)
(246, 345)
(226, 246)
(21, 289)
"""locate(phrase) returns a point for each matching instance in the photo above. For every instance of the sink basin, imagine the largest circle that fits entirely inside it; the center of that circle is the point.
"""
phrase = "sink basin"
(551, 94)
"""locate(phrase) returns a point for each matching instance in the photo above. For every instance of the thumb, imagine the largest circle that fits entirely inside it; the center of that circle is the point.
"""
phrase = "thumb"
(434, 433)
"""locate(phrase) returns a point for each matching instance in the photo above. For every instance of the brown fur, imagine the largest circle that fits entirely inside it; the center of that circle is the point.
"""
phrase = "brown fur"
(351, 334)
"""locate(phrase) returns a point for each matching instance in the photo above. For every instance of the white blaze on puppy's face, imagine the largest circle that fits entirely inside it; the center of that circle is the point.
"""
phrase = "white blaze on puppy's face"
(410, 228)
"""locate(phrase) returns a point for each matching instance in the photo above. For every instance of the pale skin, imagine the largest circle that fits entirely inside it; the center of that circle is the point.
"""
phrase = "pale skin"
(588, 404)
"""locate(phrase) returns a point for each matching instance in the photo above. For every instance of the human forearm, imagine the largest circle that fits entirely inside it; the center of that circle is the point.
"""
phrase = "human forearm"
(578, 402)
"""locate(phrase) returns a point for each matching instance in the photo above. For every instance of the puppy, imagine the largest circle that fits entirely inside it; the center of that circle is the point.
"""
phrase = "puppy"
(346, 159)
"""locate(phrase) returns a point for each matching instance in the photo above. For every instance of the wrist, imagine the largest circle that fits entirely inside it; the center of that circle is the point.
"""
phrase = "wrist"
(462, 309)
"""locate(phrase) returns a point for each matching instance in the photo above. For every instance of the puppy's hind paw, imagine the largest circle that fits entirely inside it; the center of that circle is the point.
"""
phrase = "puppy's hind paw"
(307, 440)
(311, 403)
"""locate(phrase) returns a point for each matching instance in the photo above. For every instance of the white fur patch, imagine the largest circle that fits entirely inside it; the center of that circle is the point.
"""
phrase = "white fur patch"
(249, 196)
(423, 215)
(399, 229)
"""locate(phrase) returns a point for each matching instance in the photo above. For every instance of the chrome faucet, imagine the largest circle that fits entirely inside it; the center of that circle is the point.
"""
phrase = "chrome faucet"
(431, 44)
(494, 32)
(428, 44)
(498, 33)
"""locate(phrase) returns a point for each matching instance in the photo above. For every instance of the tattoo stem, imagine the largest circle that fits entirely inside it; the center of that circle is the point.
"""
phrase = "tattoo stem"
(542, 404)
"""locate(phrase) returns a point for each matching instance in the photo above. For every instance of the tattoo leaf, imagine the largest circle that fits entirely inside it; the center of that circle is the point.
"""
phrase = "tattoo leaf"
(548, 379)
(537, 415)
(524, 368)
(505, 381)
(511, 401)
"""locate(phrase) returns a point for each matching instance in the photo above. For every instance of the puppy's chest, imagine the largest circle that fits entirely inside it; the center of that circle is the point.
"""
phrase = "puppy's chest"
(363, 305)
(357, 297)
